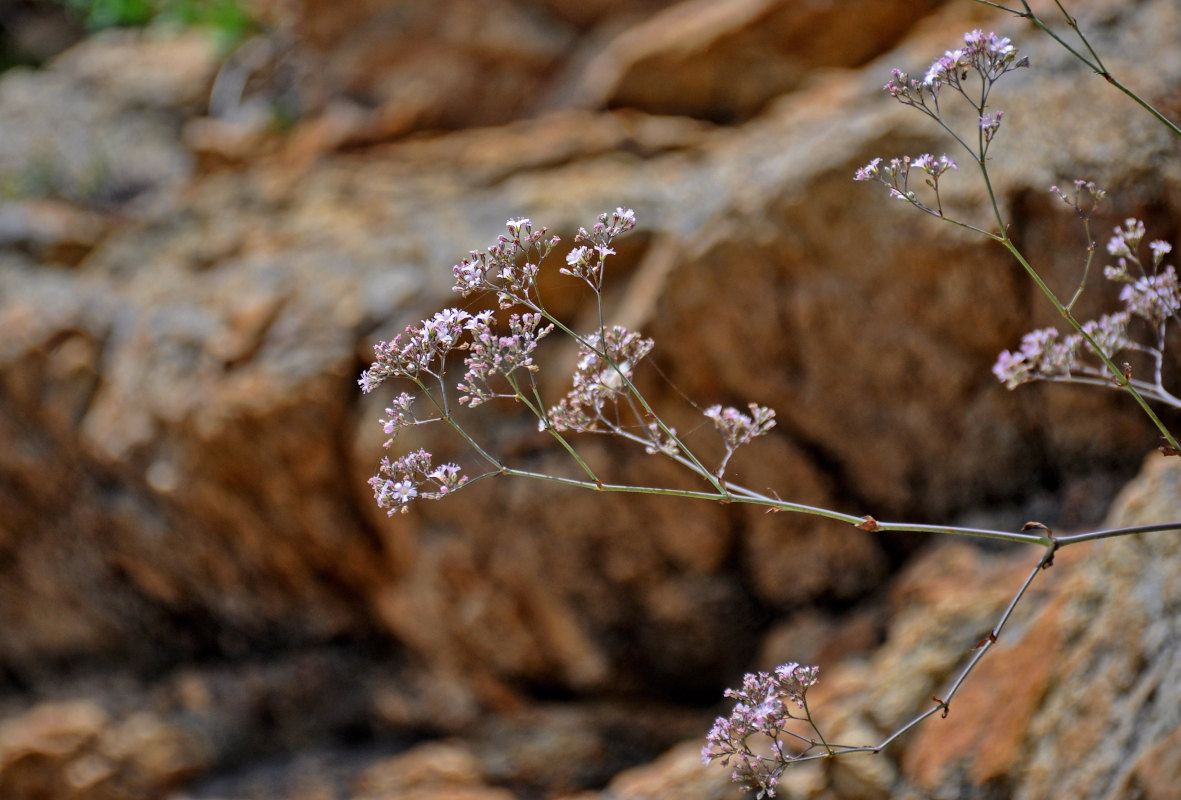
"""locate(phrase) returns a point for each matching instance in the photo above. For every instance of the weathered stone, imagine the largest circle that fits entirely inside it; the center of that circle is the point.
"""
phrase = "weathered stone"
(1117, 688)
(576, 745)
(34, 33)
(435, 769)
(1074, 691)
(678, 773)
(601, 13)
(184, 453)
(98, 126)
(220, 326)
(1157, 773)
(451, 64)
(726, 60)
(76, 750)
(52, 232)
(161, 68)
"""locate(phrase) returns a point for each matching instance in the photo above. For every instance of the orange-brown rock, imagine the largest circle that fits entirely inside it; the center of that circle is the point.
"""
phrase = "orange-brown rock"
(75, 749)
(186, 299)
(1078, 696)
(437, 769)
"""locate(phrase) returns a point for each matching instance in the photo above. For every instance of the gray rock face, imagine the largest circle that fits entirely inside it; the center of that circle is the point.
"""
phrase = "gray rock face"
(99, 125)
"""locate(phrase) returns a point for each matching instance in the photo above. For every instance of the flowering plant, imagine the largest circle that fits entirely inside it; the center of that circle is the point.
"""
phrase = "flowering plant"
(969, 74)
(1151, 296)
(764, 707)
(499, 365)
(771, 725)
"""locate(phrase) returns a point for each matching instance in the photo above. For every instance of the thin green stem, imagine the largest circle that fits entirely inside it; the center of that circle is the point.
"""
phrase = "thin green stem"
(537, 407)
(1003, 238)
(827, 748)
(938, 214)
(615, 487)
(1110, 533)
(538, 307)
(1149, 390)
(999, 7)
(634, 392)
(1124, 382)
(1095, 65)
(1161, 118)
(717, 497)
(1072, 23)
(744, 495)
(1082, 284)
(748, 497)
(979, 533)
(445, 415)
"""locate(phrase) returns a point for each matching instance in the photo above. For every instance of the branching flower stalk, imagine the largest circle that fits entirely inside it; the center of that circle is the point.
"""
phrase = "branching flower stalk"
(1084, 200)
(969, 74)
(1152, 299)
(1152, 296)
(762, 709)
(499, 366)
(771, 726)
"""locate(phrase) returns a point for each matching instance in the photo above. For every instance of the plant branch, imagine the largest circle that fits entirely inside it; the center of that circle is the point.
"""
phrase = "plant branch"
(1093, 62)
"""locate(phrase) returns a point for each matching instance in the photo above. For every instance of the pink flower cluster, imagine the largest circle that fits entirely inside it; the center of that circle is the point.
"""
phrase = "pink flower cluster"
(763, 712)
(399, 416)
(1155, 298)
(895, 173)
(586, 260)
(494, 360)
(990, 123)
(986, 53)
(603, 364)
(1043, 355)
(511, 265)
(1078, 200)
(1152, 296)
(490, 354)
(418, 350)
(737, 428)
(498, 269)
(423, 350)
(398, 482)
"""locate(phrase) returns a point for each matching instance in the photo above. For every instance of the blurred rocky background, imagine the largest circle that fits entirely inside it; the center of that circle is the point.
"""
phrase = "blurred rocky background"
(210, 211)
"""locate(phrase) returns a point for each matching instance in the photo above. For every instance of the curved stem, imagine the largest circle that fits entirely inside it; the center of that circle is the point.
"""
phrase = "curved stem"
(827, 748)
(993, 202)
(1078, 292)
(1149, 390)
(1110, 533)
(445, 415)
(780, 505)
(1095, 65)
